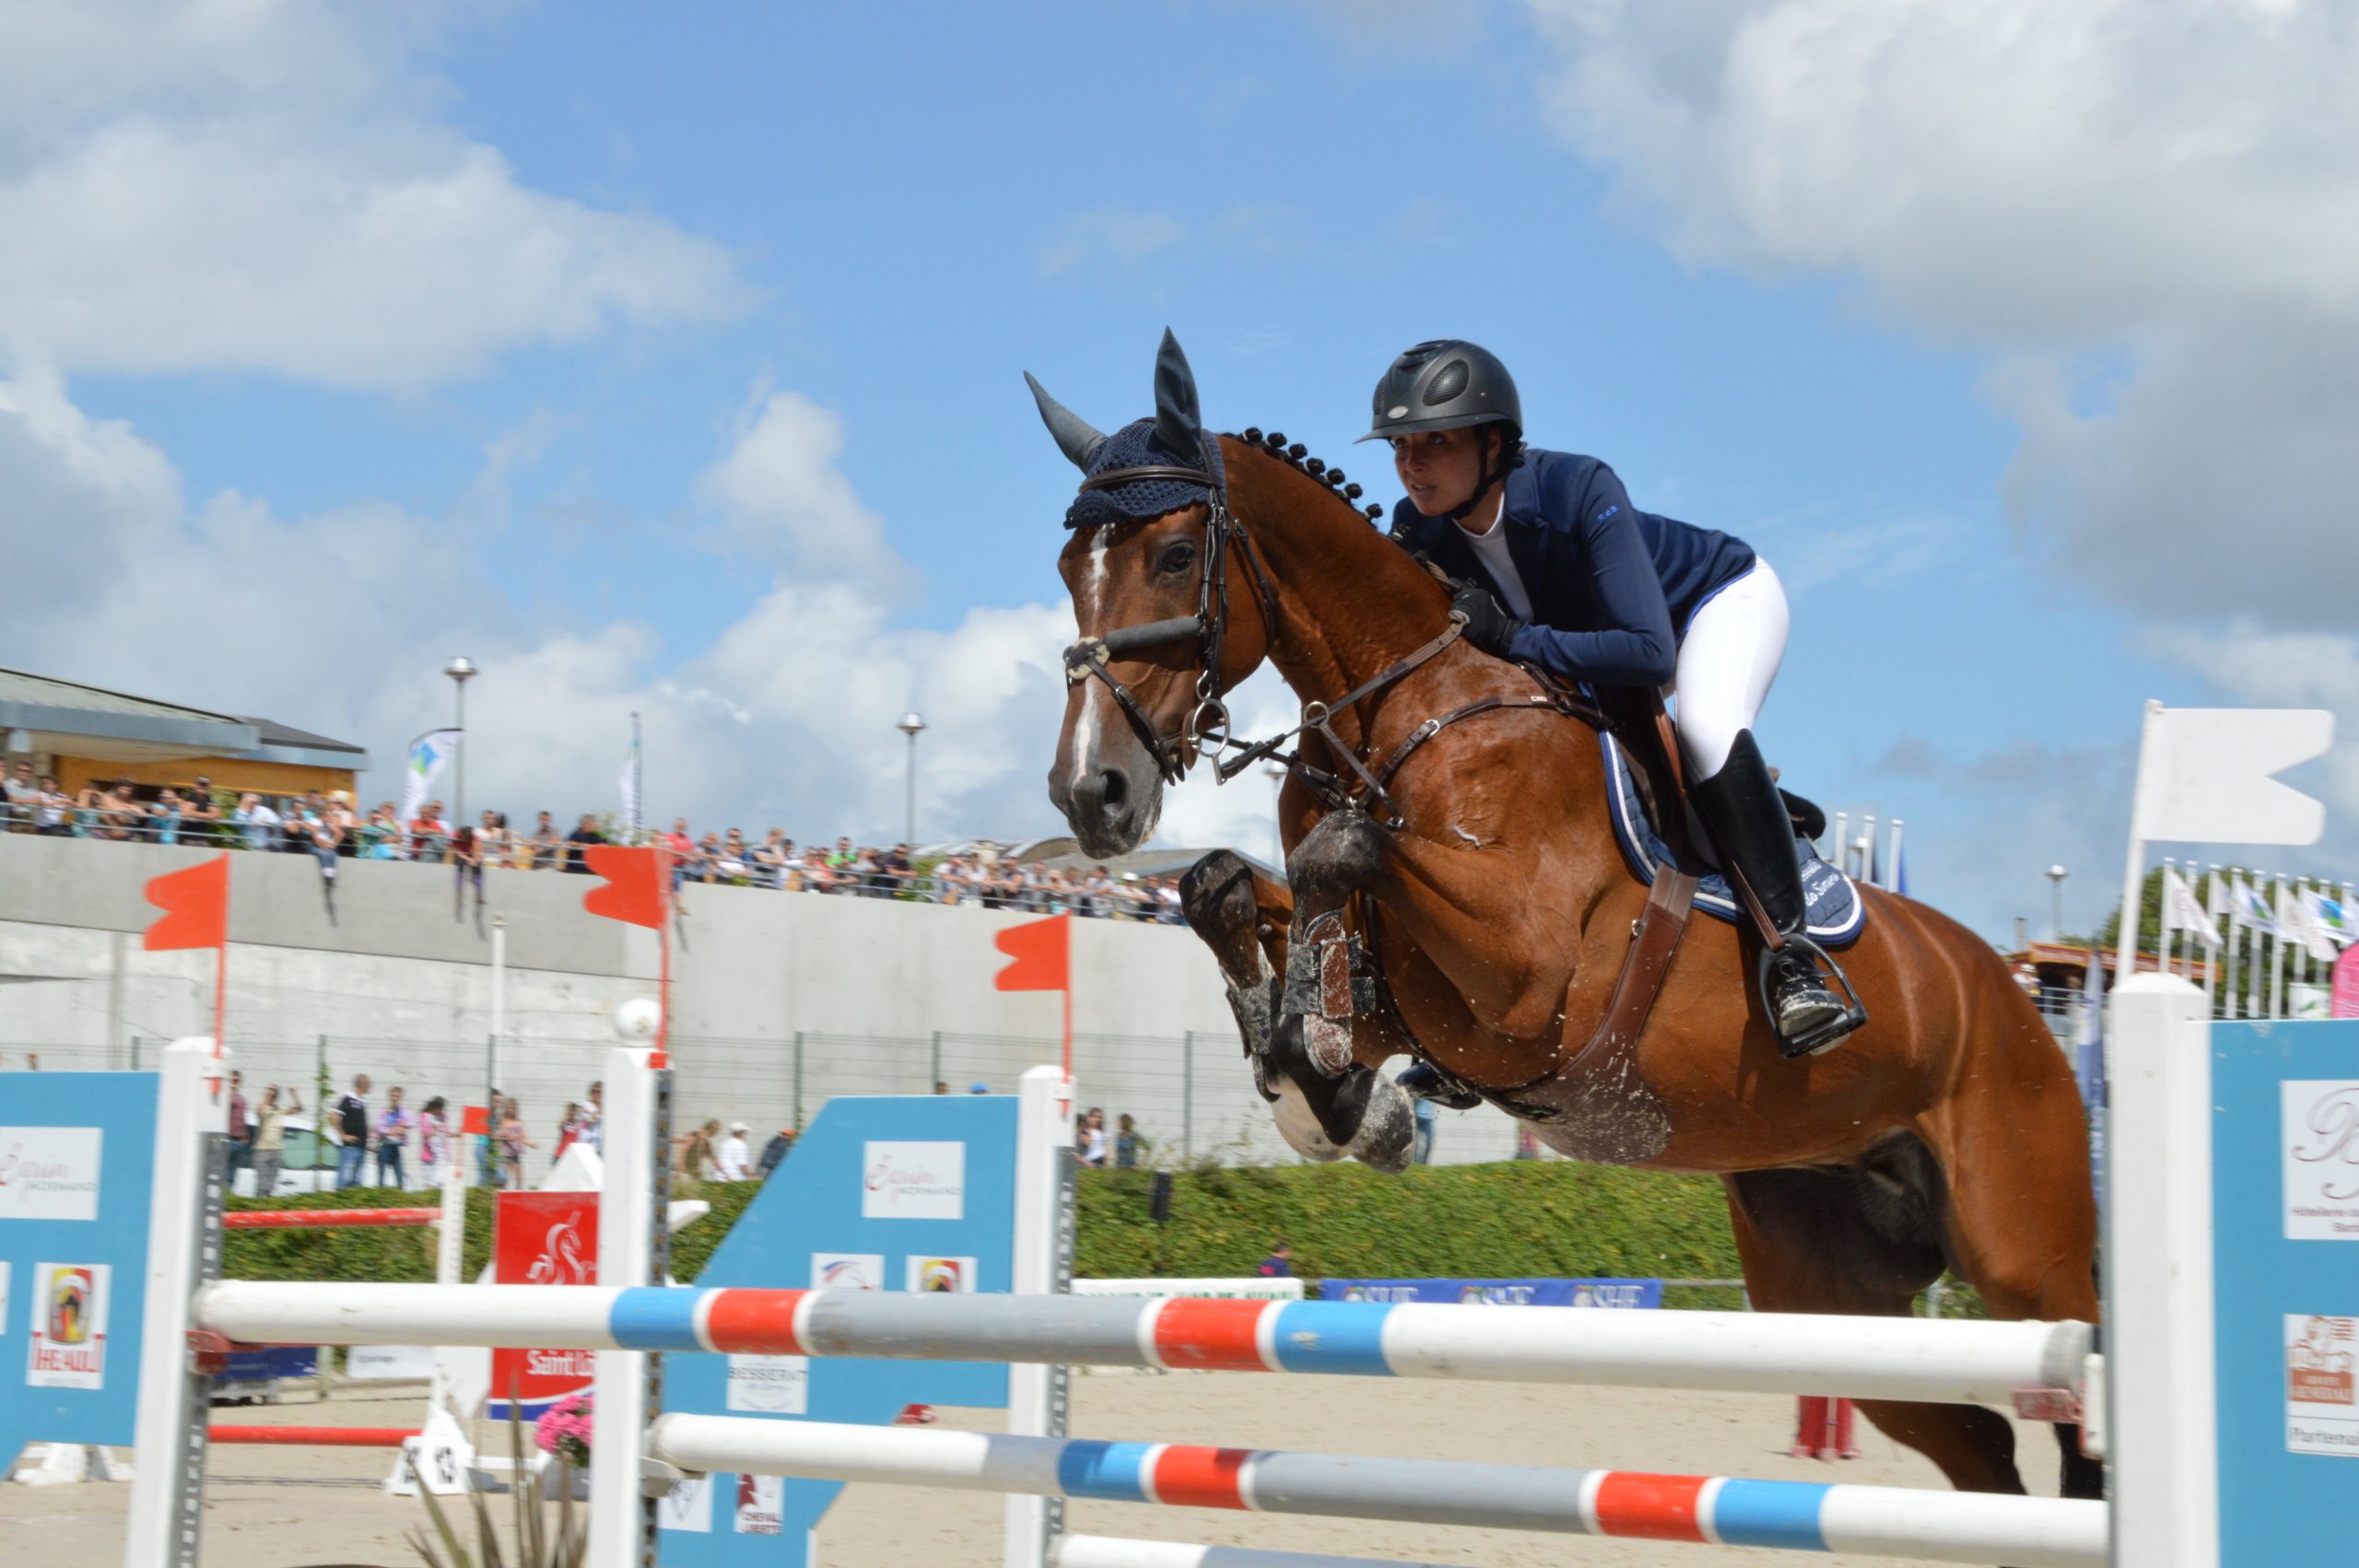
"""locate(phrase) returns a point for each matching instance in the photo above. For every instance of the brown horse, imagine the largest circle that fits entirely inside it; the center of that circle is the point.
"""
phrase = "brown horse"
(1494, 900)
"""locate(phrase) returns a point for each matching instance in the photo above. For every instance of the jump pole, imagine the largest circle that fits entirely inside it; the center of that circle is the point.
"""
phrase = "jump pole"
(1935, 1527)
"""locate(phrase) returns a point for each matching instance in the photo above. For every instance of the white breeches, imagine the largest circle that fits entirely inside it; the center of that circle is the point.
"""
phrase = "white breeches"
(1727, 664)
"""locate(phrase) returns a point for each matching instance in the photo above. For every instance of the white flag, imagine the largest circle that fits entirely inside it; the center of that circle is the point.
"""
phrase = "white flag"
(2204, 775)
(2297, 927)
(429, 754)
(2183, 911)
(2319, 934)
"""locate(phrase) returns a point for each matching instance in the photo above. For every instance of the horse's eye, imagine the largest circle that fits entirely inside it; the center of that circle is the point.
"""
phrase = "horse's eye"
(1175, 558)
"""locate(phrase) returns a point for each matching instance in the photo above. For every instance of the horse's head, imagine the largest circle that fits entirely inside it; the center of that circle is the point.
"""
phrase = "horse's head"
(1147, 567)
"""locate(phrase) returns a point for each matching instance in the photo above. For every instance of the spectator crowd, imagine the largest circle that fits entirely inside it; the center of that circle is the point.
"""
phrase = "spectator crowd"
(332, 830)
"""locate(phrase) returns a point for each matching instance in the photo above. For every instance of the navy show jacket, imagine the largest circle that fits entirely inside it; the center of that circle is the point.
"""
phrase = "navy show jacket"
(1613, 587)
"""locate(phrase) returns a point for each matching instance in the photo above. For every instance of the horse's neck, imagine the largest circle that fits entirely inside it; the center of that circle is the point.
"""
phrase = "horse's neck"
(1350, 602)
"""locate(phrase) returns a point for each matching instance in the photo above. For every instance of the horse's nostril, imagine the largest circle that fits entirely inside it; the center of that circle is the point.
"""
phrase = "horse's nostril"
(1117, 789)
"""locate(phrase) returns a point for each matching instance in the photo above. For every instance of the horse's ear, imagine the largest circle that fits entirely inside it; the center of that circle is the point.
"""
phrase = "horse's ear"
(1179, 426)
(1076, 438)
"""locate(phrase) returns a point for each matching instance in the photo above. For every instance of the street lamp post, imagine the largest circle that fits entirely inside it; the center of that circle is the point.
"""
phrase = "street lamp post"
(2057, 874)
(461, 669)
(1276, 772)
(911, 725)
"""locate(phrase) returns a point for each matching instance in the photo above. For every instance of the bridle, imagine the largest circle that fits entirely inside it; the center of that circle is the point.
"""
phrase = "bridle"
(1208, 722)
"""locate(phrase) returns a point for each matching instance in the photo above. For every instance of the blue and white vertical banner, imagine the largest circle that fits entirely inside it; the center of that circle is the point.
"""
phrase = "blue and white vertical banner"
(630, 783)
(428, 755)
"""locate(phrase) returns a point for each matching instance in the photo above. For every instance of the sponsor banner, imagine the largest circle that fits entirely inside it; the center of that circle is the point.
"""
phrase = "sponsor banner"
(2320, 1140)
(543, 1238)
(2322, 1385)
(389, 1362)
(1236, 1290)
(49, 1173)
(948, 1276)
(913, 1181)
(69, 1325)
(761, 1506)
(268, 1364)
(687, 1507)
(1625, 1295)
(848, 1271)
(769, 1386)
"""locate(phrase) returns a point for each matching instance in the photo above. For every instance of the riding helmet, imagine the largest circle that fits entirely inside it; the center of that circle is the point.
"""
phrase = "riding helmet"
(1446, 384)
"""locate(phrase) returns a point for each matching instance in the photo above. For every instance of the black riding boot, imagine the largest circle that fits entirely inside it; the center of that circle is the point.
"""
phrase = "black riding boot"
(1427, 1081)
(1748, 818)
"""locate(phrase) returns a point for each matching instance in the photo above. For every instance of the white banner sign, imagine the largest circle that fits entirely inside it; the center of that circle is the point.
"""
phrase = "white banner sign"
(2204, 775)
(913, 1181)
(49, 1173)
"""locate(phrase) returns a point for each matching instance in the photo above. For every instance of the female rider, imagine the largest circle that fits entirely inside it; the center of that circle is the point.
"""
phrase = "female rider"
(1563, 572)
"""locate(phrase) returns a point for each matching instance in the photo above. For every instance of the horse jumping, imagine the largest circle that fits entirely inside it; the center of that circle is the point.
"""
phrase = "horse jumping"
(1457, 893)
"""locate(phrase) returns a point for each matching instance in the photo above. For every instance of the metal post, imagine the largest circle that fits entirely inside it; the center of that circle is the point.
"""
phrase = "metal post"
(798, 1081)
(911, 725)
(1188, 1096)
(935, 1076)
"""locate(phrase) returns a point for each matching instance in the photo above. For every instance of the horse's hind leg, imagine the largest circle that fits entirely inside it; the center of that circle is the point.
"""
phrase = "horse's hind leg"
(2021, 1220)
(1857, 1241)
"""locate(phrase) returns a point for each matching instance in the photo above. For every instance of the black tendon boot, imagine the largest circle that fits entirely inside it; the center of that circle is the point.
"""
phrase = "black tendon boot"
(1748, 818)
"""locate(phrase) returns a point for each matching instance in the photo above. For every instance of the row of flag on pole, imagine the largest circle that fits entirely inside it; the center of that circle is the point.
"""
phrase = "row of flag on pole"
(1866, 857)
(2304, 914)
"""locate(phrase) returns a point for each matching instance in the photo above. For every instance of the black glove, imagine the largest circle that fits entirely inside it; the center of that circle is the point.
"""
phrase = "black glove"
(1489, 624)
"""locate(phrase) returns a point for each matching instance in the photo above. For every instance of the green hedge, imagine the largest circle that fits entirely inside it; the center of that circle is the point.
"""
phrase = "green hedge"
(1518, 1219)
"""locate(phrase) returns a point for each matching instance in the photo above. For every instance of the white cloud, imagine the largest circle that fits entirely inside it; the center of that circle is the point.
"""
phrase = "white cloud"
(2142, 209)
(781, 494)
(1117, 232)
(268, 187)
(335, 622)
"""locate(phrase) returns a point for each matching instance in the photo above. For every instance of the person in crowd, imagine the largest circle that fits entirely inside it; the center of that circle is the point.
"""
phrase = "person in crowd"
(321, 833)
(379, 838)
(593, 1118)
(349, 1117)
(1130, 1144)
(695, 1159)
(941, 1087)
(487, 1150)
(1089, 1139)
(1279, 1265)
(584, 834)
(121, 816)
(682, 846)
(434, 1140)
(736, 859)
(240, 1133)
(978, 1087)
(255, 821)
(338, 810)
(512, 1144)
(548, 843)
(705, 864)
(270, 1136)
(774, 1152)
(569, 1129)
(393, 1125)
(56, 810)
(24, 797)
(733, 1160)
(466, 855)
(429, 835)
(164, 818)
(200, 812)
(769, 860)
(1422, 1150)
(493, 843)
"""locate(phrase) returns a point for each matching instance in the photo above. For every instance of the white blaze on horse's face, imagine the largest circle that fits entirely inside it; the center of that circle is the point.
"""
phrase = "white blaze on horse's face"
(1089, 601)
(1106, 781)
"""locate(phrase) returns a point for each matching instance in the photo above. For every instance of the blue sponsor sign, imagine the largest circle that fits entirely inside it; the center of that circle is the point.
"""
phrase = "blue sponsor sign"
(1627, 1295)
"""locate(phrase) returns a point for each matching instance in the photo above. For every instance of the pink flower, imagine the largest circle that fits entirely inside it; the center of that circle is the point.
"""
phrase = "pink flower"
(565, 1429)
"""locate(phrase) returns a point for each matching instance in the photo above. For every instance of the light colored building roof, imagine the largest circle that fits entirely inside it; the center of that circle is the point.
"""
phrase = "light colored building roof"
(41, 713)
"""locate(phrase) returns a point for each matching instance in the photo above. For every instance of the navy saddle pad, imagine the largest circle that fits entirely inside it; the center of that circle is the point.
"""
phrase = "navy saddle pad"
(1836, 912)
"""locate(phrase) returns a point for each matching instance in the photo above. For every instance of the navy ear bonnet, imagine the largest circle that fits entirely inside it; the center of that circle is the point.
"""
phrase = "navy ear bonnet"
(1137, 445)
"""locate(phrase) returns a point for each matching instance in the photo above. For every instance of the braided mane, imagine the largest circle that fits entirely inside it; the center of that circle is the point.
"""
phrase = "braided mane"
(1297, 457)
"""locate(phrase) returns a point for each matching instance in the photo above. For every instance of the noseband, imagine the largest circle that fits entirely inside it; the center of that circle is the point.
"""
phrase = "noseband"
(1208, 720)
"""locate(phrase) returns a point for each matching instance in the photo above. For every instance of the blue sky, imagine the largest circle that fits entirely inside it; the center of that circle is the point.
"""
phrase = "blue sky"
(570, 450)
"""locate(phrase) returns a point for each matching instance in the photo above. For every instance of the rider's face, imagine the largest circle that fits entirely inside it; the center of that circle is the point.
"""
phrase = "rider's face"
(1438, 468)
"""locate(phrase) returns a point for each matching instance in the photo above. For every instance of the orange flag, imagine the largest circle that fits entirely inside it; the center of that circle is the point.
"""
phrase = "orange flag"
(1042, 953)
(195, 903)
(633, 889)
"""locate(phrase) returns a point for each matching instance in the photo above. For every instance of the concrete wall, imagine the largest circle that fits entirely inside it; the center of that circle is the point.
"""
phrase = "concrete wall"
(779, 999)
